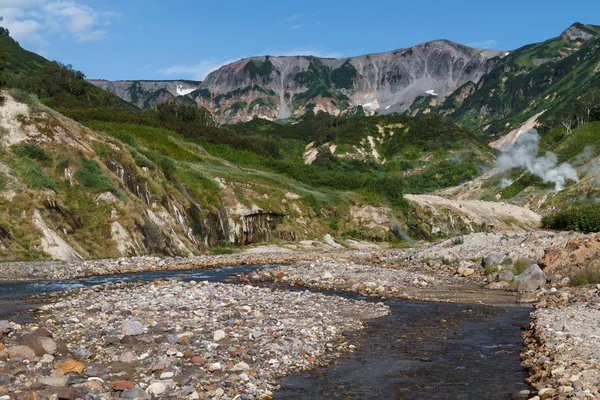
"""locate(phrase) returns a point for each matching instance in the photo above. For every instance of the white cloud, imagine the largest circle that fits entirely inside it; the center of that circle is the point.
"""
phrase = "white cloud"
(200, 70)
(197, 71)
(297, 26)
(295, 17)
(486, 44)
(35, 21)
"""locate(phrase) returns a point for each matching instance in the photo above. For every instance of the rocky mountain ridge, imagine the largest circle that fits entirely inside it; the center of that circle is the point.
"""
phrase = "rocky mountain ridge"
(471, 86)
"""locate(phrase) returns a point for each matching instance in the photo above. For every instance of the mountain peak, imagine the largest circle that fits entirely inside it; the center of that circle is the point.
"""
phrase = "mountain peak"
(579, 31)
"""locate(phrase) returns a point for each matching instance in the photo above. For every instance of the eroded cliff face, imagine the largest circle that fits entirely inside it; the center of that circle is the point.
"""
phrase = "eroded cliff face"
(283, 87)
(383, 83)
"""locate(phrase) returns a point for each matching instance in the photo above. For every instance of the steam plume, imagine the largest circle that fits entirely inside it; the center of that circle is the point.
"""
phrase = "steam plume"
(524, 154)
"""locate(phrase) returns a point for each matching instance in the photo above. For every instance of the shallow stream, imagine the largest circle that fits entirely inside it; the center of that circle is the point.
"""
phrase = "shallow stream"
(423, 350)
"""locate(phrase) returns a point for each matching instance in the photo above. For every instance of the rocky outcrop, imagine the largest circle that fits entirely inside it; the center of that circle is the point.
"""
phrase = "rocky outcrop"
(146, 94)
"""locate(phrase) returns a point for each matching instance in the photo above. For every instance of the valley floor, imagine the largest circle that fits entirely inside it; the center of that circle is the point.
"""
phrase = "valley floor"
(235, 340)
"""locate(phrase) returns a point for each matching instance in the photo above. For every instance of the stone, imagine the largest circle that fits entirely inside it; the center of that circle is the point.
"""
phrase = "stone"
(467, 272)
(132, 328)
(120, 386)
(5, 326)
(156, 388)
(506, 275)
(492, 260)
(198, 360)
(166, 375)
(241, 366)
(329, 240)
(94, 385)
(22, 352)
(128, 357)
(43, 332)
(67, 393)
(82, 354)
(135, 393)
(219, 335)
(546, 393)
(39, 344)
(498, 286)
(531, 279)
(70, 366)
(214, 367)
(54, 381)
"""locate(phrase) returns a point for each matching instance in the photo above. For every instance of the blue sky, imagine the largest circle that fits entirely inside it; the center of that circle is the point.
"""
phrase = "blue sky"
(157, 39)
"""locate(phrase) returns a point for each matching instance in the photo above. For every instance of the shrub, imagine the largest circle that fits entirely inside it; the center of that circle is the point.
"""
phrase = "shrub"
(521, 265)
(93, 177)
(458, 240)
(587, 276)
(3, 181)
(32, 174)
(32, 151)
(580, 219)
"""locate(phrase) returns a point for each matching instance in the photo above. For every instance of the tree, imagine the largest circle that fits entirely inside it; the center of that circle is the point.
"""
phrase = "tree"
(590, 102)
(179, 111)
(56, 78)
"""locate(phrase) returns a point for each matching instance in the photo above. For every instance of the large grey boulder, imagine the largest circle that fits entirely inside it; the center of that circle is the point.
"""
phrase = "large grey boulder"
(531, 279)
(492, 259)
(505, 275)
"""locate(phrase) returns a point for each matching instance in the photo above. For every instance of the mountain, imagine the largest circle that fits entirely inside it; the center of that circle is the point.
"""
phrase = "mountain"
(147, 94)
(281, 87)
(531, 83)
(488, 92)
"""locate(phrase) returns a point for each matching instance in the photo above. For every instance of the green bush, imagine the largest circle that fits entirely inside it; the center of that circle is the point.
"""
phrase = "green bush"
(32, 151)
(33, 176)
(579, 218)
(3, 181)
(93, 177)
(587, 276)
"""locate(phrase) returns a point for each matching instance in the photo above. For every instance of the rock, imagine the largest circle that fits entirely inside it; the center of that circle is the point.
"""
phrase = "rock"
(94, 384)
(82, 354)
(67, 393)
(327, 276)
(156, 388)
(22, 352)
(120, 386)
(198, 360)
(214, 367)
(166, 375)
(5, 326)
(39, 344)
(128, 357)
(132, 328)
(467, 272)
(531, 279)
(546, 393)
(219, 335)
(329, 240)
(241, 366)
(506, 275)
(135, 393)
(43, 332)
(498, 285)
(54, 381)
(492, 259)
(70, 366)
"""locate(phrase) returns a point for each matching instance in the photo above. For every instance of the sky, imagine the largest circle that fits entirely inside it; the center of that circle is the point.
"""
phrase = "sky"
(186, 39)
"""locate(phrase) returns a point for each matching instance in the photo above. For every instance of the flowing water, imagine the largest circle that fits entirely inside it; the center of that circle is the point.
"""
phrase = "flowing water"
(423, 350)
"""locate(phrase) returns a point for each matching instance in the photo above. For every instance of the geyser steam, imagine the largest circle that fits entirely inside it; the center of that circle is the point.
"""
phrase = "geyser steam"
(524, 154)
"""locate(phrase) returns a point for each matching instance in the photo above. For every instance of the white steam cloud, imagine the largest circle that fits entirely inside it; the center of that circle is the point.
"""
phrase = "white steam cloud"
(524, 154)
